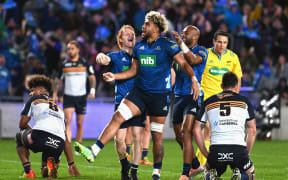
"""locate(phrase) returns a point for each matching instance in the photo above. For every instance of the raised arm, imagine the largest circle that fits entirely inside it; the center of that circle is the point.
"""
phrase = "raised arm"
(129, 73)
(189, 71)
(103, 59)
(189, 56)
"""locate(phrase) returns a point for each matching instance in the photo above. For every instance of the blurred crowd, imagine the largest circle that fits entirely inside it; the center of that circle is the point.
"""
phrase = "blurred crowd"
(34, 33)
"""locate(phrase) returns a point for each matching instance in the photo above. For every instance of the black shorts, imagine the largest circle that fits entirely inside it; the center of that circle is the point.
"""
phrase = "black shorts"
(77, 102)
(234, 155)
(154, 104)
(49, 144)
(135, 121)
(183, 105)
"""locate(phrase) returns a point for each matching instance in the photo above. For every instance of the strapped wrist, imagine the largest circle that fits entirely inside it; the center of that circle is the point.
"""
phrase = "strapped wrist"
(184, 47)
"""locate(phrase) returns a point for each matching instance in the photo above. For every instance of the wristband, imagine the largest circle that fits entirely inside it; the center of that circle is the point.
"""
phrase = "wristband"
(92, 91)
(184, 48)
(71, 163)
(194, 77)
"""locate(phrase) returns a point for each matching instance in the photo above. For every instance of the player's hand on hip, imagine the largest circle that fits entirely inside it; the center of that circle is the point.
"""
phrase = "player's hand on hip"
(108, 77)
(195, 89)
(177, 37)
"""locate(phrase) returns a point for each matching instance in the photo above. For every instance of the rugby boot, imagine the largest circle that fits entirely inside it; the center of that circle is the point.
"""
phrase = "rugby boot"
(52, 168)
(31, 174)
(194, 172)
(84, 151)
(145, 161)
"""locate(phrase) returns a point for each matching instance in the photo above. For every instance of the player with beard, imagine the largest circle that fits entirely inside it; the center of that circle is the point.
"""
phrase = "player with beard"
(152, 60)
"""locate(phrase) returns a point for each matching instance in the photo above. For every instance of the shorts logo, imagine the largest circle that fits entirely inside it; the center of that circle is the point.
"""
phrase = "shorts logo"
(225, 156)
(148, 60)
(248, 165)
(218, 71)
(52, 142)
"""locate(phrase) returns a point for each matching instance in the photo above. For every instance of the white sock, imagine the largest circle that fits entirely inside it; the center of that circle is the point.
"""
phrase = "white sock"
(95, 149)
(156, 171)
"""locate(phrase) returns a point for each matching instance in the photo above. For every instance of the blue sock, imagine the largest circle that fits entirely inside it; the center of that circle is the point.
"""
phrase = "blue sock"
(27, 167)
(144, 153)
(244, 176)
(128, 147)
(124, 162)
(157, 165)
(186, 169)
(134, 169)
(195, 163)
(99, 144)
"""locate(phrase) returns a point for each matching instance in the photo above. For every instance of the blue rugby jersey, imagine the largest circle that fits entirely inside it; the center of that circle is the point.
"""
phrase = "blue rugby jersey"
(154, 64)
(183, 82)
(121, 61)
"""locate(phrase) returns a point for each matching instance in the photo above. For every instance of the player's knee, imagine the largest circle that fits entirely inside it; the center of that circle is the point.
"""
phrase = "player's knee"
(125, 111)
(119, 141)
(156, 127)
(18, 140)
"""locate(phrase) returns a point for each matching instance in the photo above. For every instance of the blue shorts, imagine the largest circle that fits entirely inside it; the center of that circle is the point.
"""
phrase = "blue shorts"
(184, 105)
(77, 102)
(135, 121)
(154, 104)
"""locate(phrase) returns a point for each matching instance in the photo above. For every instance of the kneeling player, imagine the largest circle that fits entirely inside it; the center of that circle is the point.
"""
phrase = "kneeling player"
(228, 113)
(48, 133)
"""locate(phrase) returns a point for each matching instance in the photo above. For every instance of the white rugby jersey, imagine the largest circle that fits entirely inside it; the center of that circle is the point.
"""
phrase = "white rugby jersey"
(75, 75)
(47, 115)
(227, 114)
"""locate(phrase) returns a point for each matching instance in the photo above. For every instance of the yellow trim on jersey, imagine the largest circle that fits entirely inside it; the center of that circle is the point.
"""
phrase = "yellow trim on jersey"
(215, 67)
(229, 104)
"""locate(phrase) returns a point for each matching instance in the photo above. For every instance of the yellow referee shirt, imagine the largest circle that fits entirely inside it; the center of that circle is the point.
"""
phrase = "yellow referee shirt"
(215, 67)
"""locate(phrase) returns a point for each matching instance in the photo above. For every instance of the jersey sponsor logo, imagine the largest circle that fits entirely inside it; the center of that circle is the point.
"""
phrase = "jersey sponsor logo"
(225, 156)
(142, 48)
(124, 68)
(148, 60)
(229, 122)
(218, 71)
(174, 46)
(158, 48)
(211, 61)
(52, 142)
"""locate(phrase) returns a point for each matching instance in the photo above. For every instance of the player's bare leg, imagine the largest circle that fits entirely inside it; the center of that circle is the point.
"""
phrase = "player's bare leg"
(157, 127)
(137, 149)
(178, 134)
(68, 117)
(128, 142)
(80, 130)
(146, 142)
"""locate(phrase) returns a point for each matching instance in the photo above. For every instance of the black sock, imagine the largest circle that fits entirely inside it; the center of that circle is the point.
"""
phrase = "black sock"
(195, 163)
(124, 162)
(27, 167)
(144, 153)
(186, 169)
(134, 169)
(99, 144)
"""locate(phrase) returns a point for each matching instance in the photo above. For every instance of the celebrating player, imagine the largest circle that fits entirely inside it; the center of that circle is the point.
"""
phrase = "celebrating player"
(185, 108)
(152, 59)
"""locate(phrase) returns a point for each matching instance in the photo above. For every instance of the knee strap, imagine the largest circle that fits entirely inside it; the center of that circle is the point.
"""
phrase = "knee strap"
(125, 111)
(156, 127)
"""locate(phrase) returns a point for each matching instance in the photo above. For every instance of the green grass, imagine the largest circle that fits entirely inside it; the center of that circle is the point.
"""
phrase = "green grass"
(270, 159)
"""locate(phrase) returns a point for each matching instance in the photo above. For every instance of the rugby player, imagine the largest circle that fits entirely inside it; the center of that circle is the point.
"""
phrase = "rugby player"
(75, 71)
(121, 61)
(185, 108)
(220, 60)
(48, 133)
(228, 113)
(152, 59)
